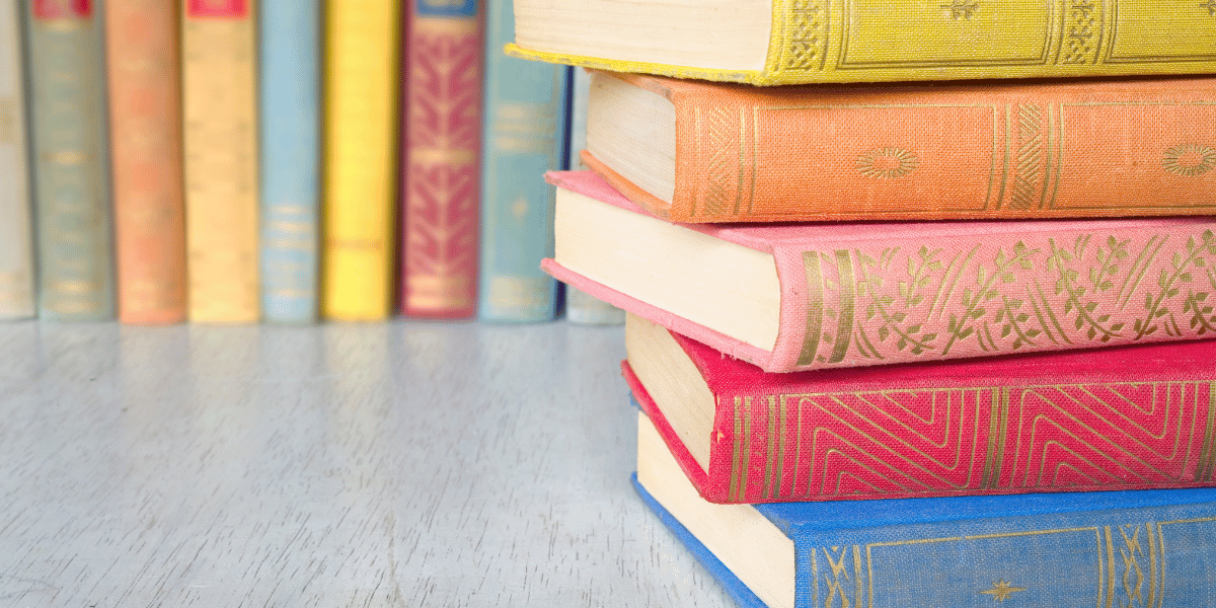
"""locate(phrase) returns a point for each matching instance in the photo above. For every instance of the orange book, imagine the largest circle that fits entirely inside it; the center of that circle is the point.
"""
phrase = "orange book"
(145, 118)
(701, 152)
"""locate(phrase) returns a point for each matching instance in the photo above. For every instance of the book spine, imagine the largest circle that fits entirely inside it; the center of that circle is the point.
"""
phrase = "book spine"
(289, 37)
(361, 86)
(826, 41)
(221, 159)
(72, 198)
(145, 153)
(16, 230)
(443, 129)
(524, 137)
(894, 300)
(1098, 149)
(1139, 556)
(583, 309)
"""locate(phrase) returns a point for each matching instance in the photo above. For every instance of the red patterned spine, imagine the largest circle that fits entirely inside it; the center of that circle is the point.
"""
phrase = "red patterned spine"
(442, 145)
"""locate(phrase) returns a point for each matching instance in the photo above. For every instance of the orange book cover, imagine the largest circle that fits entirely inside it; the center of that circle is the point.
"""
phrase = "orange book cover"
(145, 117)
(973, 150)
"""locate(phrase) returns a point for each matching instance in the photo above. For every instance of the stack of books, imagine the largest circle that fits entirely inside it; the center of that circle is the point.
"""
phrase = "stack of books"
(849, 395)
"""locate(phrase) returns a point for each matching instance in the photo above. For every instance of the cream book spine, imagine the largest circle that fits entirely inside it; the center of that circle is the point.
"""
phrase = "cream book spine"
(16, 237)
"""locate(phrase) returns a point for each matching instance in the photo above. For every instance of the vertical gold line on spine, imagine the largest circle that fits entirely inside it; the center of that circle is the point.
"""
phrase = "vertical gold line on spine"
(1002, 434)
(857, 574)
(1059, 138)
(701, 191)
(751, 197)
(1102, 565)
(737, 454)
(1000, 198)
(996, 152)
(846, 280)
(1205, 450)
(1047, 156)
(869, 578)
(770, 445)
(1110, 16)
(814, 577)
(1154, 564)
(1211, 434)
(814, 307)
(1110, 571)
(742, 147)
(827, 33)
(747, 446)
(1161, 550)
(993, 424)
(782, 433)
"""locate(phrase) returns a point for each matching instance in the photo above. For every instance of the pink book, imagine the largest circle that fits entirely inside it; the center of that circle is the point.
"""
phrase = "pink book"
(789, 297)
(1133, 417)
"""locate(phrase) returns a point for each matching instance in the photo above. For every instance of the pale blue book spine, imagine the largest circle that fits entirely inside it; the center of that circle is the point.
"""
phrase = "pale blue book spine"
(290, 56)
(524, 136)
(70, 162)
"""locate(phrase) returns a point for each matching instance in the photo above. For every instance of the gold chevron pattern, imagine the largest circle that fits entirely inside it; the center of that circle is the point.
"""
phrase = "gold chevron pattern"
(1029, 178)
(943, 441)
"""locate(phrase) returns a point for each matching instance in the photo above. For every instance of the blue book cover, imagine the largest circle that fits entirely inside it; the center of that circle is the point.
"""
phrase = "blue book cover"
(1130, 549)
(524, 135)
(290, 122)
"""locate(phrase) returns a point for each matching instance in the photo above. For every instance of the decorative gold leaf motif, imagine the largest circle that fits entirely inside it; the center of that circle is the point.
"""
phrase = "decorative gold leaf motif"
(808, 41)
(962, 9)
(1189, 160)
(1080, 32)
(887, 163)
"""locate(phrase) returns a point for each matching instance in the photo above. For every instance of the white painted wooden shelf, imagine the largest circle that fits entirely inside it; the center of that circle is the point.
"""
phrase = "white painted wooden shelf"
(399, 464)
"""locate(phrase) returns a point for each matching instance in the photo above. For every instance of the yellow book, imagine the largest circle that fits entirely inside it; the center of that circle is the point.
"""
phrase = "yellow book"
(219, 111)
(360, 107)
(776, 42)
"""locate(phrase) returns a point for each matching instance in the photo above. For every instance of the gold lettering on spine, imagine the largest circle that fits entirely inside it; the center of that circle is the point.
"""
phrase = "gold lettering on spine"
(847, 282)
(814, 307)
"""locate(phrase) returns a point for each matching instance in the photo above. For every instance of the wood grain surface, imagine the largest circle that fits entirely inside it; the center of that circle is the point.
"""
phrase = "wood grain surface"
(401, 464)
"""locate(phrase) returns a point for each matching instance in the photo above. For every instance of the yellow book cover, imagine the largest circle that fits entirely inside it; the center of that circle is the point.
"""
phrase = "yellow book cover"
(219, 89)
(778, 42)
(360, 113)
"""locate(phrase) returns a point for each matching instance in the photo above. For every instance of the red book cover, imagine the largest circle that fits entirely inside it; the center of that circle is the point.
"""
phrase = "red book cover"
(443, 48)
(1135, 417)
(145, 118)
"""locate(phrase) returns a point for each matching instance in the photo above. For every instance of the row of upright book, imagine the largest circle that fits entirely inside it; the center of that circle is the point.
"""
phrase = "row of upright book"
(231, 161)
(919, 294)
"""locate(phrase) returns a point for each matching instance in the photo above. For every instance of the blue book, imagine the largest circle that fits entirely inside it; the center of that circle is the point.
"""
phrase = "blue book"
(1138, 549)
(524, 135)
(290, 55)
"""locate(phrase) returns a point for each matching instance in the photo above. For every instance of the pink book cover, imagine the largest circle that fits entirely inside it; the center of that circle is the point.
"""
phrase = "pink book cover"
(1132, 417)
(443, 50)
(858, 294)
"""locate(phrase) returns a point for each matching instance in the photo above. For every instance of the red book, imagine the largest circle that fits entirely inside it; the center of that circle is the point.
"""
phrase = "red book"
(1125, 418)
(443, 49)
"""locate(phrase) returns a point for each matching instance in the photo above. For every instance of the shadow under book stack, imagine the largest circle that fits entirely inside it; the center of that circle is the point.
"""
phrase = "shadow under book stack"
(850, 397)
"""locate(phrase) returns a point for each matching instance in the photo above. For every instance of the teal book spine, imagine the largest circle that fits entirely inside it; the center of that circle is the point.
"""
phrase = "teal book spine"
(70, 155)
(16, 236)
(524, 135)
(290, 57)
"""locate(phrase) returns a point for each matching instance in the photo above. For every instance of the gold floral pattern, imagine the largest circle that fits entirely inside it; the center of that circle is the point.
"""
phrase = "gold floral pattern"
(1189, 160)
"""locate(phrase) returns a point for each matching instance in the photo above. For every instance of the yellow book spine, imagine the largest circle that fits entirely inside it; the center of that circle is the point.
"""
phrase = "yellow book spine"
(220, 150)
(360, 100)
(817, 41)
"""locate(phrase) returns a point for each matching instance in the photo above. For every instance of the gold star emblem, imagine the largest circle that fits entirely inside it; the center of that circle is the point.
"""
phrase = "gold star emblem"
(1002, 589)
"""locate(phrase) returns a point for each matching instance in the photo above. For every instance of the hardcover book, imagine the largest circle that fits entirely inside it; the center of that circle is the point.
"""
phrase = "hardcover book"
(289, 36)
(524, 136)
(702, 152)
(444, 50)
(16, 230)
(777, 42)
(789, 297)
(1132, 548)
(219, 82)
(362, 65)
(1133, 417)
(146, 160)
(71, 186)
(581, 308)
